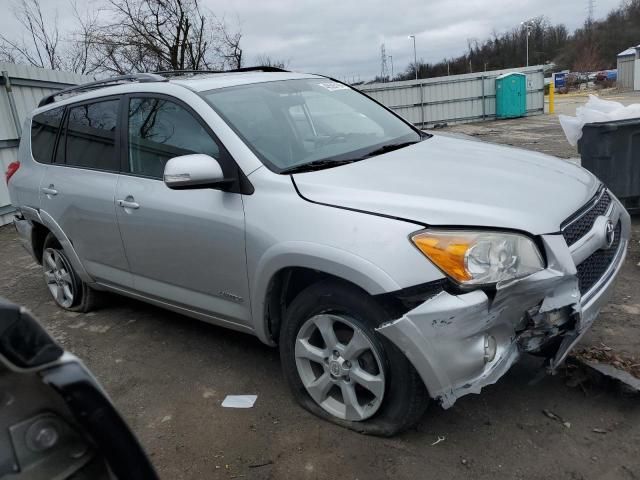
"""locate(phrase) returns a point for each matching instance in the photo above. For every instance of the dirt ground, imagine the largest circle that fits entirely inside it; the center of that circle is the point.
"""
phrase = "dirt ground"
(168, 375)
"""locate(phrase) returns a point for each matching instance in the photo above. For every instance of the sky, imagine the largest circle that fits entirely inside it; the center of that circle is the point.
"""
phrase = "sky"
(342, 38)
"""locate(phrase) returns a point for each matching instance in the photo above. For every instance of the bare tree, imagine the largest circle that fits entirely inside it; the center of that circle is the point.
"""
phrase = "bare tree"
(588, 58)
(44, 45)
(229, 45)
(268, 61)
(147, 35)
(125, 36)
(41, 43)
(80, 56)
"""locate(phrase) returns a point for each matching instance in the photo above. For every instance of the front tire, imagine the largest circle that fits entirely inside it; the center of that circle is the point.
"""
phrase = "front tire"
(66, 288)
(339, 368)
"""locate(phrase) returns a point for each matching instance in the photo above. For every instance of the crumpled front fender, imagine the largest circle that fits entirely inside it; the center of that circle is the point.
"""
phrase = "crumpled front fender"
(462, 343)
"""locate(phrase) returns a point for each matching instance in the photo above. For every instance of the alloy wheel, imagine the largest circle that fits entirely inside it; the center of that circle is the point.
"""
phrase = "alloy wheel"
(340, 367)
(57, 274)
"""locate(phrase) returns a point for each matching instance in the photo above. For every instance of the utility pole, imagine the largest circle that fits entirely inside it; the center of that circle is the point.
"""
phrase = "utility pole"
(528, 26)
(391, 61)
(384, 71)
(415, 57)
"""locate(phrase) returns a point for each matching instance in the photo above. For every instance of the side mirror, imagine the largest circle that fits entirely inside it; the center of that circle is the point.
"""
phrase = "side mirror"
(193, 171)
(56, 421)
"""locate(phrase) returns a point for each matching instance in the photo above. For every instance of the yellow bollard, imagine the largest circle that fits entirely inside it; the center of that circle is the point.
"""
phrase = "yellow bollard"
(551, 96)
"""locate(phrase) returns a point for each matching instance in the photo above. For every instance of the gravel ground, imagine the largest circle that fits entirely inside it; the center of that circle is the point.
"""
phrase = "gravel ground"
(168, 375)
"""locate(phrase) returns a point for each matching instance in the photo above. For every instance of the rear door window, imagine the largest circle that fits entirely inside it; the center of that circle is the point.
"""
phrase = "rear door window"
(44, 130)
(160, 129)
(91, 136)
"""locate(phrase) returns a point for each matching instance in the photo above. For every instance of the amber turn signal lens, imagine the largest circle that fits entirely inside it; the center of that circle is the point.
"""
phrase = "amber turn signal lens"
(447, 252)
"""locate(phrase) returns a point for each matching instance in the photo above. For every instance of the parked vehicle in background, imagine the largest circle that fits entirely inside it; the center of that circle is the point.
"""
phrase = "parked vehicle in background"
(607, 75)
(389, 265)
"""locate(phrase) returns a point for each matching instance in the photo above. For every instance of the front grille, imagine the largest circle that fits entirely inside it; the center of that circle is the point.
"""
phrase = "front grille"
(579, 227)
(594, 266)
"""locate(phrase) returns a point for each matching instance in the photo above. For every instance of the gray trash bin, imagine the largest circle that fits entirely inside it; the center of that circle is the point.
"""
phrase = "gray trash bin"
(611, 150)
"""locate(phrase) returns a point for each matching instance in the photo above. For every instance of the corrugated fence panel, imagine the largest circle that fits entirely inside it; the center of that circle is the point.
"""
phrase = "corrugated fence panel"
(7, 128)
(7, 155)
(44, 75)
(453, 99)
(26, 99)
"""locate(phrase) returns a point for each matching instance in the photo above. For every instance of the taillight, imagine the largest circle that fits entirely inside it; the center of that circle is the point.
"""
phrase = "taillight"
(11, 169)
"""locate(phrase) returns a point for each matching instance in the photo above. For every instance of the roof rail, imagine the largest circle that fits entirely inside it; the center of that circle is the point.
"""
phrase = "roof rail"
(117, 80)
(178, 73)
(263, 68)
(161, 76)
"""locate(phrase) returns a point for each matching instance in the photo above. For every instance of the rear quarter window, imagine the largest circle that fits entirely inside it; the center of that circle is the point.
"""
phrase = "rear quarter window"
(44, 129)
(91, 135)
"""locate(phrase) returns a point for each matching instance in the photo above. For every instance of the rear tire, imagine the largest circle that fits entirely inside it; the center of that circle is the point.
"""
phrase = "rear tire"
(64, 284)
(389, 394)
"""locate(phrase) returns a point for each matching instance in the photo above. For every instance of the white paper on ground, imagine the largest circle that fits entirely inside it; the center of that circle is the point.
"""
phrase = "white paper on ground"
(595, 110)
(239, 401)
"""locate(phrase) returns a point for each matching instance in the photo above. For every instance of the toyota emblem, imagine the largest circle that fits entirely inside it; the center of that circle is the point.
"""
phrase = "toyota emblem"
(609, 233)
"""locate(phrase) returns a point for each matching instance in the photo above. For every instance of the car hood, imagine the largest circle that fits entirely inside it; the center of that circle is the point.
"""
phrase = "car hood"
(449, 181)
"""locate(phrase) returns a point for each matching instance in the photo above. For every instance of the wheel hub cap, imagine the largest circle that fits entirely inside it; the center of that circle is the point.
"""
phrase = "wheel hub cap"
(337, 368)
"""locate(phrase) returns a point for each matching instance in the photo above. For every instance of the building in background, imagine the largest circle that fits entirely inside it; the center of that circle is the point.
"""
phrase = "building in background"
(21, 88)
(629, 68)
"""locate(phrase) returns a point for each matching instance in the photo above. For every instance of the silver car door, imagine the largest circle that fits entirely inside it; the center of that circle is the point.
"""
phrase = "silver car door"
(184, 246)
(78, 189)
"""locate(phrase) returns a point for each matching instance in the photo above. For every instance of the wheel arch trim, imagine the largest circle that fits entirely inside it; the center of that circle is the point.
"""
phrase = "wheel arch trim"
(48, 221)
(322, 258)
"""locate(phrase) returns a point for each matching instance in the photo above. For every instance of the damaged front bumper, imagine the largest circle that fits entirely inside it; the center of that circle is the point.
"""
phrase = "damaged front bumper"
(462, 343)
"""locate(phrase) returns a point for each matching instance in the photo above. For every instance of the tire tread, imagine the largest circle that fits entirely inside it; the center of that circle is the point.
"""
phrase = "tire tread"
(405, 389)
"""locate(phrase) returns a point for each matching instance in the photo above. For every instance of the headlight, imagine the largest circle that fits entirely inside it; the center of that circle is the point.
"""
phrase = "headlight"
(474, 258)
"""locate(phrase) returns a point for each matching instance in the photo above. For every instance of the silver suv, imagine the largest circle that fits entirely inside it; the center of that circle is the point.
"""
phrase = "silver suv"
(389, 265)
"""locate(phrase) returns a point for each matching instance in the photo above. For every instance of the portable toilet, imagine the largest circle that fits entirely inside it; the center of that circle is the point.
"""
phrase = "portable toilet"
(511, 95)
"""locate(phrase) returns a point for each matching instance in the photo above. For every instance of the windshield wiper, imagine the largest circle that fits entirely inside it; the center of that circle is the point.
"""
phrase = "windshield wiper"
(316, 165)
(388, 148)
(320, 164)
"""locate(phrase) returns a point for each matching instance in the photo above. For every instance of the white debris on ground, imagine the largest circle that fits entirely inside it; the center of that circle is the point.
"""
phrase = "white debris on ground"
(595, 110)
(239, 401)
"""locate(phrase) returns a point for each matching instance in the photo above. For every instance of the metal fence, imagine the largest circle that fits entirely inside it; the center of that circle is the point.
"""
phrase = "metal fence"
(454, 99)
(21, 88)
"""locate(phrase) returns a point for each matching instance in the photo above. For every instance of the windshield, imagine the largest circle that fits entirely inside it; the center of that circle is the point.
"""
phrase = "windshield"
(296, 123)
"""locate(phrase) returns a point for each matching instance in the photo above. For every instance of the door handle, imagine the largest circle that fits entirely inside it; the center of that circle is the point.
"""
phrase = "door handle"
(49, 190)
(128, 204)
